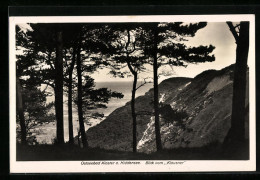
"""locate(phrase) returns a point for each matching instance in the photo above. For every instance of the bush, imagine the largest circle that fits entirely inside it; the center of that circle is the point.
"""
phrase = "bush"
(170, 115)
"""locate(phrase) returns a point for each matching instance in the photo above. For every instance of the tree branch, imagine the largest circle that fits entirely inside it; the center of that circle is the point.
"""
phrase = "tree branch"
(233, 30)
(45, 88)
(130, 68)
(49, 61)
(65, 57)
(73, 60)
(145, 82)
(47, 83)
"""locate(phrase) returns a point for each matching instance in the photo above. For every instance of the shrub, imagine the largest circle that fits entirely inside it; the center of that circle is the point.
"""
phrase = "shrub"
(170, 115)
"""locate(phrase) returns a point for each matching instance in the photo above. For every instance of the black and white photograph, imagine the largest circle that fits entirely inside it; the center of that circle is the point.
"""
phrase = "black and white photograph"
(132, 93)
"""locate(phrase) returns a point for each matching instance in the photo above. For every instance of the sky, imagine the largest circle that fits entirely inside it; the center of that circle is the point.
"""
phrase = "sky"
(215, 33)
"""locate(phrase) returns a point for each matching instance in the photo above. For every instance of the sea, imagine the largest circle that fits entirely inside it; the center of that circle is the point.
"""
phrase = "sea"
(46, 132)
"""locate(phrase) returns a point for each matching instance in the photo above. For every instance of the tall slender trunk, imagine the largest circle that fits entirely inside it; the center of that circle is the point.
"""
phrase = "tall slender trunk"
(133, 91)
(236, 133)
(71, 136)
(59, 88)
(156, 94)
(20, 111)
(133, 111)
(80, 112)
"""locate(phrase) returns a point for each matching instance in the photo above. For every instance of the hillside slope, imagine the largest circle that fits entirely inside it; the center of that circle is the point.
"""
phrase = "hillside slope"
(206, 100)
(115, 132)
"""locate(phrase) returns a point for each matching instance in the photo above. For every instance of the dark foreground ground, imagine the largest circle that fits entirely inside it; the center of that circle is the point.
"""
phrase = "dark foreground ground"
(67, 153)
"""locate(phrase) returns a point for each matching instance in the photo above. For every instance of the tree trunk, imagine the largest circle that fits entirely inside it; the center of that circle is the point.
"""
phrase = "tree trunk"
(156, 94)
(133, 112)
(80, 112)
(133, 92)
(59, 89)
(20, 111)
(236, 134)
(71, 136)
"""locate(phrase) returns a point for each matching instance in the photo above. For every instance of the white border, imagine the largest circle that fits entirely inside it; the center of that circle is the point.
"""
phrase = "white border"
(75, 166)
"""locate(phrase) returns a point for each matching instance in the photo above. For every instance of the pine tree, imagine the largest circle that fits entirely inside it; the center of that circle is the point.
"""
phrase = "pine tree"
(236, 134)
(128, 52)
(20, 109)
(70, 90)
(44, 50)
(92, 41)
(51, 52)
(31, 101)
(46, 45)
(164, 43)
(71, 35)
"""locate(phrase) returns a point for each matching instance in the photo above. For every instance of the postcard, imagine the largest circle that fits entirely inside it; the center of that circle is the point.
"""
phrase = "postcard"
(155, 93)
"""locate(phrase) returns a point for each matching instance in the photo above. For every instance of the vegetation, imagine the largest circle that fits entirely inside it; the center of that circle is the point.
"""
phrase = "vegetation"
(164, 44)
(65, 153)
(170, 115)
(62, 57)
(127, 51)
(236, 134)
